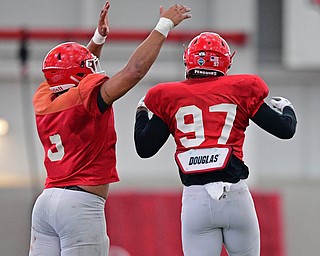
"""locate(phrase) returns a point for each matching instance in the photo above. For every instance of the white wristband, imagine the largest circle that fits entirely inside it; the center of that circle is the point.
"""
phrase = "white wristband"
(164, 26)
(97, 38)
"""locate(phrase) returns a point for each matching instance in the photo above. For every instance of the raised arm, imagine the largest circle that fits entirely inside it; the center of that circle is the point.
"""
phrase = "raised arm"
(144, 56)
(281, 123)
(149, 134)
(96, 43)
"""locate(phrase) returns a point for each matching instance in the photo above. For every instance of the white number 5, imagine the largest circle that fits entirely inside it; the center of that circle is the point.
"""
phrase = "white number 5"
(197, 125)
(56, 156)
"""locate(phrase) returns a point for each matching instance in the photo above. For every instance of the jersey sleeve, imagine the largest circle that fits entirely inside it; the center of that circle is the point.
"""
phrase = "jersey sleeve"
(42, 97)
(259, 91)
(154, 101)
(88, 91)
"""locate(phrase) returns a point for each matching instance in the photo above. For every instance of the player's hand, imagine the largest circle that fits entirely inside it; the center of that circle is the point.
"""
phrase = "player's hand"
(141, 105)
(177, 13)
(280, 103)
(103, 24)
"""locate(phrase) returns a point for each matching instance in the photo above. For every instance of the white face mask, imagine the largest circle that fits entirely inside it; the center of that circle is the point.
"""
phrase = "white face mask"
(94, 66)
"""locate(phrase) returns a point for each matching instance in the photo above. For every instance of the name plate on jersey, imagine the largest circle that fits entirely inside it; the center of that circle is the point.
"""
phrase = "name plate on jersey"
(203, 160)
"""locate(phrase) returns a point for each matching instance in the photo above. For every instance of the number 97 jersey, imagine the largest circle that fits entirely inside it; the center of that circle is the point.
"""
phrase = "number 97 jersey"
(208, 112)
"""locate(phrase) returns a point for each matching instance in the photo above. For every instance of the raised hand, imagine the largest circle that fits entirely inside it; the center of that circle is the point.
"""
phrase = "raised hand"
(103, 24)
(176, 13)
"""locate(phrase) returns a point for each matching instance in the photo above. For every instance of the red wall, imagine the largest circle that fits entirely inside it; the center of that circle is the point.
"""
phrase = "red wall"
(146, 224)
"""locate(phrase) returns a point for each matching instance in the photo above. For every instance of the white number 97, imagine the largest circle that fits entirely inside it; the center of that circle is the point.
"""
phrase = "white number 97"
(197, 125)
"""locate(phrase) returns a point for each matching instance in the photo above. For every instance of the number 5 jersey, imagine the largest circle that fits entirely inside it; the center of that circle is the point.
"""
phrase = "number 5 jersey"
(78, 140)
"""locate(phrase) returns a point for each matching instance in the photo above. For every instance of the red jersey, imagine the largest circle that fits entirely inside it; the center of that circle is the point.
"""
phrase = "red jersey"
(208, 112)
(78, 140)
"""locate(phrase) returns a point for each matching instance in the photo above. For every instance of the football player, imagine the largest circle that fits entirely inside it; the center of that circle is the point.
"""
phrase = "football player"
(207, 115)
(75, 123)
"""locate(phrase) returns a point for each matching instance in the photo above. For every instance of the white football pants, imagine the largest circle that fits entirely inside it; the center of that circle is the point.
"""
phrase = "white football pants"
(207, 224)
(68, 223)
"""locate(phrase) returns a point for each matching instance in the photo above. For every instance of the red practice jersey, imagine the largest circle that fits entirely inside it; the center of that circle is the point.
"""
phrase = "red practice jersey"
(208, 112)
(78, 140)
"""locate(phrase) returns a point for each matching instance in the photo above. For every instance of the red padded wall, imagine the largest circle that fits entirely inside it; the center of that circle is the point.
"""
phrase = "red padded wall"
(148, 223)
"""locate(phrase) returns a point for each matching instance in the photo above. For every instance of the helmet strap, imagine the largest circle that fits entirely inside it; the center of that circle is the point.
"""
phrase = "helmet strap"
(75, 79)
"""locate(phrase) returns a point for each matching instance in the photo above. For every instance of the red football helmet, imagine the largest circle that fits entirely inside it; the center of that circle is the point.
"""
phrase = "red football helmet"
(67, 64)
(207, 54)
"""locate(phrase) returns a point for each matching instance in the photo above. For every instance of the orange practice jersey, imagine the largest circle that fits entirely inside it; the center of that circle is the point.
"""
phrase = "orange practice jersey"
(208, 112)
(78, 140)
